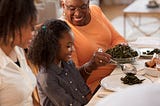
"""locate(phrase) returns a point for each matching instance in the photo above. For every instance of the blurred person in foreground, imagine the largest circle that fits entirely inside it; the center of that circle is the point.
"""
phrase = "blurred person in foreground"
(59, 81)
(17, 82)
(146, 94)
(92, 30)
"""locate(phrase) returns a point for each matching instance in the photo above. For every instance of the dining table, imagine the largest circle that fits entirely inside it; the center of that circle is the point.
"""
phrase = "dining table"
(140, 66)
(136, 11)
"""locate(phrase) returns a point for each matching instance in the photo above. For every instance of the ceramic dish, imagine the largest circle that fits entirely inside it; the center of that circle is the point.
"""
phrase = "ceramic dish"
(151, 71)
(145, 50)
(125, 60)
(114, 83)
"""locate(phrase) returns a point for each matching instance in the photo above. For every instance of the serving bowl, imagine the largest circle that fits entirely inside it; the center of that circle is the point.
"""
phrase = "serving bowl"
(124, 53)
(126, 60)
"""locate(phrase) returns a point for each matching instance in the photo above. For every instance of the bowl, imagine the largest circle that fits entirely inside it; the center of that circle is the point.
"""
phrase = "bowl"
(124, 53)
(126, 60)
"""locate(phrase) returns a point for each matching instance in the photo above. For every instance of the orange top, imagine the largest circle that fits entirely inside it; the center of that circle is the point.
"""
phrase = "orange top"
(99, 33)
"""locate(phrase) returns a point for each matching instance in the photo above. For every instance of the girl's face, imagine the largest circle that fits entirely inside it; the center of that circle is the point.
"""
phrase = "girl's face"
(26, 36)
(66, 46)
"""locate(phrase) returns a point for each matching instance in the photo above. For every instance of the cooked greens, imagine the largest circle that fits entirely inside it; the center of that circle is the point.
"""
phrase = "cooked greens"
(148, 52)
(122, 51)
(131, 79)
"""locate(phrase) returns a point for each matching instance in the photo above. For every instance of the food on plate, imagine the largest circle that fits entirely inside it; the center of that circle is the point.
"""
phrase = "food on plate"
(122, 51)
(131, 79)
(151, 52)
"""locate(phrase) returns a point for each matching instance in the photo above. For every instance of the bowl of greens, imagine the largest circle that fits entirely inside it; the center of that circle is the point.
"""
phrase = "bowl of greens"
(123, 53)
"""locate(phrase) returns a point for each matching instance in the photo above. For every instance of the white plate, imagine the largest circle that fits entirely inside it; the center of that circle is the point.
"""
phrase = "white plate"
(145, 55)
(151, 71)
(114, 83)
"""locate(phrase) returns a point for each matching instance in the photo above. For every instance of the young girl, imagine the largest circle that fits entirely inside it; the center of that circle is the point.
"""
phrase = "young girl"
(59, 82)
(17, 82)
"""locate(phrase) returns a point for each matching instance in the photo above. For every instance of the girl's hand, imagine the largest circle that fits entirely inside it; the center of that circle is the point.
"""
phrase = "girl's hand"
(99, 58)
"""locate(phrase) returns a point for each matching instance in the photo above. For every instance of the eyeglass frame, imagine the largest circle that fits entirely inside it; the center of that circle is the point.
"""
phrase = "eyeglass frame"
(73, 8)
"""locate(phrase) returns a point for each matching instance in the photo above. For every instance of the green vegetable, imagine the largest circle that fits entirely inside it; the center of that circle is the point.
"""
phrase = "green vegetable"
(131, 79)
(157, 51)
(122, 51)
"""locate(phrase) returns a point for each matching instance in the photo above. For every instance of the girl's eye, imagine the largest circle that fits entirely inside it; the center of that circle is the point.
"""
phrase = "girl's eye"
(69, 46)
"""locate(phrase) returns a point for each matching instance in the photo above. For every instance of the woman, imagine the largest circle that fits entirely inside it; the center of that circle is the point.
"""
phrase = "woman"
(92, 30)
(59, 82)
(17, 81)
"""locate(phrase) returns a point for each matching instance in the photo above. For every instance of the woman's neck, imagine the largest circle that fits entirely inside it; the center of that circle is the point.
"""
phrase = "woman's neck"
(7, 49)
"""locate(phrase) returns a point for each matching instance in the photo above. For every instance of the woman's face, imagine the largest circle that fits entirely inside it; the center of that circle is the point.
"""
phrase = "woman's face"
(66, 46)
(76, 11)
(26, 36)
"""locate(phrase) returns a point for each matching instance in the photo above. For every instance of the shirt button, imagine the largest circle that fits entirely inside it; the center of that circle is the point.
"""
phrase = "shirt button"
(76, 89)
(66, 73)
(70, 82)
(82, 96)
(70, 105)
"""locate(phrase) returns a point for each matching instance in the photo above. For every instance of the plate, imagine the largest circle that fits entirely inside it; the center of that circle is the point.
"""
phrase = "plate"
(151, 71)
(114, 83)
(142, 50)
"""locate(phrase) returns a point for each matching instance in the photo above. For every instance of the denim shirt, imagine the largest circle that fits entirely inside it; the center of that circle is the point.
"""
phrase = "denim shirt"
(62, 86)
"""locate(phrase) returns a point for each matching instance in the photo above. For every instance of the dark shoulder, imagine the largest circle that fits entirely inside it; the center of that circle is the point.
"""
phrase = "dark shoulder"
(48, 73)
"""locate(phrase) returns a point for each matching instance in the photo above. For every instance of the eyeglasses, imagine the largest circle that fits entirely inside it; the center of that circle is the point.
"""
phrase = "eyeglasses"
(73, 8)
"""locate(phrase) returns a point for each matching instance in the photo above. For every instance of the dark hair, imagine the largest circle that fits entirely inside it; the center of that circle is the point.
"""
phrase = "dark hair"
(15, 14)
(45, 46)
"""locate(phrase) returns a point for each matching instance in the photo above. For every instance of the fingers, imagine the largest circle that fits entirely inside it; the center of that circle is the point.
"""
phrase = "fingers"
(101, 58)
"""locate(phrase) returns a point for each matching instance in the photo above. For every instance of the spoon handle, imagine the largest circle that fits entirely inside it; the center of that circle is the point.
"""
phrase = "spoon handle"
(113, 61)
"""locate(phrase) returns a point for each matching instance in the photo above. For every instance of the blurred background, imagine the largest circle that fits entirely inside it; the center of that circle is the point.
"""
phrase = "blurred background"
(114, 11)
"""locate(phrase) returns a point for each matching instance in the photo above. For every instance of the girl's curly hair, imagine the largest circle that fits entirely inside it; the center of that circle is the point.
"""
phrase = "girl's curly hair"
(45, 46)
